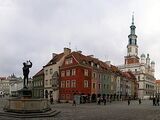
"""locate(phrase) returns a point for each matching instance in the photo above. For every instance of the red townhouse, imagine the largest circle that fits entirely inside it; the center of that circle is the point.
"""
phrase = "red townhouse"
(75, 76)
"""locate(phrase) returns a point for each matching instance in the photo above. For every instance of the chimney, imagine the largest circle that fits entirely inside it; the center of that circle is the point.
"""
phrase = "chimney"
(108, 63)
(67, 51)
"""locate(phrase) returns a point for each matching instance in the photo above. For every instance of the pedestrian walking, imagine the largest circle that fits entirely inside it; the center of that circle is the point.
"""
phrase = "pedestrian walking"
(99, 100)
(74, 103)
(129, 101)
(51, 100)
(154, 101)
(110, 99)
(139, 100)
(104, 101)
(157, 101)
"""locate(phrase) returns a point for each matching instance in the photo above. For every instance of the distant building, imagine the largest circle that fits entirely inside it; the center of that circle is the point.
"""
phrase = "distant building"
(141, 67)
(12, 80)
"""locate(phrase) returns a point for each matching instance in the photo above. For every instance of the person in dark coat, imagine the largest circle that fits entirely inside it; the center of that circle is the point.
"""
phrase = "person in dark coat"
(129, 101)
(157, 101)
(51, 100)
(139, 100)
(104, 101)
(74, 103)
(99, 100)
(154, 101)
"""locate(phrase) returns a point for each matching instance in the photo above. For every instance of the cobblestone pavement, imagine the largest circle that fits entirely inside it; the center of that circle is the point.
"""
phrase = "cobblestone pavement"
(111, 111)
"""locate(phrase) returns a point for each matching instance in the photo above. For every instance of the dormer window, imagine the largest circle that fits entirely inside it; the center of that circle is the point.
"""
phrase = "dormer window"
(84, 62)
(68, 61)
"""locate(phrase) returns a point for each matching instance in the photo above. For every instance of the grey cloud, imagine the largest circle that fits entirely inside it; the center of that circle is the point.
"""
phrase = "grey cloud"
(33, 29)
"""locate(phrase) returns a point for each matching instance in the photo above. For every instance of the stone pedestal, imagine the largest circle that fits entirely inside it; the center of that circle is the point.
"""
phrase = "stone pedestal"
(26, 104)
(25, 93)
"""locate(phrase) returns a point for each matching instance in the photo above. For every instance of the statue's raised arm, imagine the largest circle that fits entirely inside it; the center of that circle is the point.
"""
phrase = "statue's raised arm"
(30, 64)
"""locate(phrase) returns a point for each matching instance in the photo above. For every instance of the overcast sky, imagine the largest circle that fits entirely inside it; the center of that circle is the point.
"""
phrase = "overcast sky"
(34, 29)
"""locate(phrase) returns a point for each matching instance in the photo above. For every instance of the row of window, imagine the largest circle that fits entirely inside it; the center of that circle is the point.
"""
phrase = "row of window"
(4, 84)
(68, 73)
(68, 84)
(99, 85)
(38, 83)
(149, 86)
(72, 72)
(49, 72)
(4, 87)
(149, 93)
(130, 50)
(48, 82)
(66, 96)
(72, 84)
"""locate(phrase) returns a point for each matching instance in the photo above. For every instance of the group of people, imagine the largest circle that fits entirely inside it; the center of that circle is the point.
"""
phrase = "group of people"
(129, 100)
(103, 100)
(155, 101)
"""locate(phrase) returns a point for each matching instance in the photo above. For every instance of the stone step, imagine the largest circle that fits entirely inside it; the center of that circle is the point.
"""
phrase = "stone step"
(21, 114)
(50, 113)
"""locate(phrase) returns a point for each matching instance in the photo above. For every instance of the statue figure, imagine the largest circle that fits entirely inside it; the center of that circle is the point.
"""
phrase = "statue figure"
(26, 67)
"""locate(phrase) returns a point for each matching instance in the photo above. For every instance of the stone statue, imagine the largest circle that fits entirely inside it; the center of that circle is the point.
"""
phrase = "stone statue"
(26, 67)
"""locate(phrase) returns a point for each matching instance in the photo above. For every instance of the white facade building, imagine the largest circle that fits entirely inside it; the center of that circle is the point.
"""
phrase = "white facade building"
(141, 67)
(51, 74)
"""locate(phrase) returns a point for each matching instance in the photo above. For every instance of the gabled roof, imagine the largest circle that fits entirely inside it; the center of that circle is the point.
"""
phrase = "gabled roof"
(55, 59)
(80, 58)
(41, 72)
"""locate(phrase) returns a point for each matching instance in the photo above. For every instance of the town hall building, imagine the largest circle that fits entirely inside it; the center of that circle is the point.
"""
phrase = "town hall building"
(142, 67)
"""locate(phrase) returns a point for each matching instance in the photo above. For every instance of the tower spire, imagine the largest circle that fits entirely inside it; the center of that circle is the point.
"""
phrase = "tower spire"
(132, 40)
(133, 18)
